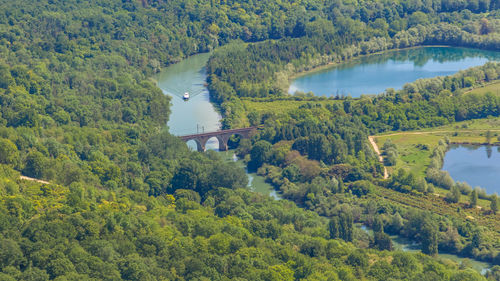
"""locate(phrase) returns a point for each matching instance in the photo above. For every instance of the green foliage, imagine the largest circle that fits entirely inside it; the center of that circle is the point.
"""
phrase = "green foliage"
(342, 226)
(361, 188)
(382, 241)
(36, 165)
(77, 108)
(8, 152)
(494, 203)
(454, 195)
(260, 154)
(473, 199)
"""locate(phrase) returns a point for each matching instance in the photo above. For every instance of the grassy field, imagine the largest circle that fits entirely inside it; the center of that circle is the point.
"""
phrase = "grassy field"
(493, 88)
(415, 147)
(280, 106)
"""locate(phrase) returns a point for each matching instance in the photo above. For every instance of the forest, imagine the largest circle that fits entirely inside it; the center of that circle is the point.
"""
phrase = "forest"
(126, 200)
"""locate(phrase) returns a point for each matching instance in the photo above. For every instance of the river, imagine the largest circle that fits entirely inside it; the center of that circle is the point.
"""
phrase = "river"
(197, 114)
(374, 74)
(400, 243)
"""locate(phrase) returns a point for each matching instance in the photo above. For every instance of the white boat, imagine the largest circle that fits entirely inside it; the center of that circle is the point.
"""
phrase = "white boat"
(186, 96)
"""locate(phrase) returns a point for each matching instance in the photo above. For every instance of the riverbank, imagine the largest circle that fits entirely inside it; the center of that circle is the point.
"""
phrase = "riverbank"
(401, 243)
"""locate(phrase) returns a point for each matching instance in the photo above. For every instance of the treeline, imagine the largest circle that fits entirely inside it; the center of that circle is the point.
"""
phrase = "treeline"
(429, 102)
(318, 155)
(52, 232)
(263, 69)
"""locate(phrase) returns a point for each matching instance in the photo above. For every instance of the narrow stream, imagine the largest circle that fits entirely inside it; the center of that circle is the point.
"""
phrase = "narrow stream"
(198, 114)
(400, 243)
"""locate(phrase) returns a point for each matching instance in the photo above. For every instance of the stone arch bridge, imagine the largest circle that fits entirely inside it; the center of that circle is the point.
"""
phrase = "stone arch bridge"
(222, 136)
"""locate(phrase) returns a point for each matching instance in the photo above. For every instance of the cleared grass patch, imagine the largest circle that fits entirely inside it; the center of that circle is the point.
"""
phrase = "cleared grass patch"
(493, 88)
(281, 106)
(415, 147)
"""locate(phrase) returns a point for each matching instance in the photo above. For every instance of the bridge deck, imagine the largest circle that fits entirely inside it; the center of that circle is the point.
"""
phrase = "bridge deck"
(216, 133)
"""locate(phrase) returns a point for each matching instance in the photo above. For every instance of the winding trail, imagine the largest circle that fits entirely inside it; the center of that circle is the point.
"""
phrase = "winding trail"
(380, 158)
(33, 179)
(379, 154)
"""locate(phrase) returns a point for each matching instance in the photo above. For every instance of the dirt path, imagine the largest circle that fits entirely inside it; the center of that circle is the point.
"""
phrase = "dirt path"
(434, 132)
(380, 158)
(35, 180)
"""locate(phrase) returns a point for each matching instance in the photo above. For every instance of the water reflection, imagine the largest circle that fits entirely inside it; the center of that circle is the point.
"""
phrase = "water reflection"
(197, 114)
(375, 73)
(477, 165)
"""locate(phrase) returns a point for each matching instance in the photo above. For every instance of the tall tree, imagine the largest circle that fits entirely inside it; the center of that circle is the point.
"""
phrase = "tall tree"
(494, 203)
(429, 238)
(473, 199)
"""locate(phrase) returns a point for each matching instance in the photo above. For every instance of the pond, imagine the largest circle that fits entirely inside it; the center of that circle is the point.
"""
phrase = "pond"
(373, 74)
(477, 165)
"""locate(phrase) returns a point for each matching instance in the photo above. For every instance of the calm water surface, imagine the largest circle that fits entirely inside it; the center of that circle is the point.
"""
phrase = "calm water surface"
(256, 183)
(375, 73)
(198, 114)
(475, 165)
(404, 244)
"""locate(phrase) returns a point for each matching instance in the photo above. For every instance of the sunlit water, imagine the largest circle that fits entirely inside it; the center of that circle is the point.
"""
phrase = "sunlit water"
(197, 114)
(374, 74)
(475, 165)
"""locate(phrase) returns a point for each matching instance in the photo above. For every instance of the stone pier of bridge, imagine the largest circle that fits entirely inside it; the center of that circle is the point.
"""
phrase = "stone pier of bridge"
(222, 136)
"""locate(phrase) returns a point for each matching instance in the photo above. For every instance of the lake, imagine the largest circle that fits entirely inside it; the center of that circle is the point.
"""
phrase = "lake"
(474, 164)
(373, 74)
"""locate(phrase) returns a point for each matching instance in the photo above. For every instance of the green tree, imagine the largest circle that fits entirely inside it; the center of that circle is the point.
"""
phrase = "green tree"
(261, 153)
(473, 197)
(36, 165)
(494, 203)
(333, 227)
(429, 239)
(279, 272)
(8, 152)
(34, 274)
(10, 253)
(382, 241)
(346, 225)
(453, 195)
(378, 225)
(489, 136)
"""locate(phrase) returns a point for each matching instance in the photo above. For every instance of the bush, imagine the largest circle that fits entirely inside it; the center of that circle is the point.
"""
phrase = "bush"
(361, 188)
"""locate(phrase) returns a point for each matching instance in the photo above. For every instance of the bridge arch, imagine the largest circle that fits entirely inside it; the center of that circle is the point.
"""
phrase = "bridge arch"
(222, 137)
(196, 142)
(211, 143)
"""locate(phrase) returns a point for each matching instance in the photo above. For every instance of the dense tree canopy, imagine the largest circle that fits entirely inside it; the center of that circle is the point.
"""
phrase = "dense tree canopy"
(129, 201)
